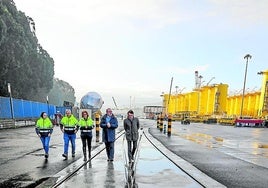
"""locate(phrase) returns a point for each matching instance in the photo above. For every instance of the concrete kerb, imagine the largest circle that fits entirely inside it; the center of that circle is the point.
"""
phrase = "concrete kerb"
(12, 123)
(186, 166)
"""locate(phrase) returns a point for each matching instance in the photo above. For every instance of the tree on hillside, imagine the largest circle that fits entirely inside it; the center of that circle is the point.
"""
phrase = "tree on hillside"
(23, 62)
(61, 91)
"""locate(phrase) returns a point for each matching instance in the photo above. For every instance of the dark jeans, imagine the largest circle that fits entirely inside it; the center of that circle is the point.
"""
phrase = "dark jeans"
(86, 141)
(131, 150)
(110, 150)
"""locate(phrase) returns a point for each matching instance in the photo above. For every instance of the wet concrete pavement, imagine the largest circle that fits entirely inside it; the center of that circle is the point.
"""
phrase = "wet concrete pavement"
(235, 157)
(22, 159)
(151, 169)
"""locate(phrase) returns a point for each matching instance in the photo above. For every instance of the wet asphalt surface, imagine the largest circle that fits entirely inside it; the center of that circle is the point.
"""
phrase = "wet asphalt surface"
(22, 159)
(149, 169)
(235, 157)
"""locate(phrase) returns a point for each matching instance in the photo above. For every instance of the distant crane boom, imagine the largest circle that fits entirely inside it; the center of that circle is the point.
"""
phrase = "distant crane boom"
(115, 103)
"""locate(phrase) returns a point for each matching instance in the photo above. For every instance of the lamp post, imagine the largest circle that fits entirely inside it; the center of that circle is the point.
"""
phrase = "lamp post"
(47, 106)
(248, 56)
(169, 95)
(10, 99)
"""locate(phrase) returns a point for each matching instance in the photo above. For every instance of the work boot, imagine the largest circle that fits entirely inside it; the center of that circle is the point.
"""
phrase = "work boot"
(85, 157)
(46, 155)
(89, 152)
(85, 154)
(65, 156)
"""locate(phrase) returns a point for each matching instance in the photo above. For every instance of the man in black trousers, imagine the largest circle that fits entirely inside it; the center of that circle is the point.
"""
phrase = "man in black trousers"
(131, 126)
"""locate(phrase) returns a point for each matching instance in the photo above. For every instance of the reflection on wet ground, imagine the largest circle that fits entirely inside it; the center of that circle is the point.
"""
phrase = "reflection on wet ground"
(22, 161)
(250, 149)
(155, 169)
(152, 169)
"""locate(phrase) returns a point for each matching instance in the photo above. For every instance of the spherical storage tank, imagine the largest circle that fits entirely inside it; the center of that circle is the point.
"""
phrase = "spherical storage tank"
(92, 101)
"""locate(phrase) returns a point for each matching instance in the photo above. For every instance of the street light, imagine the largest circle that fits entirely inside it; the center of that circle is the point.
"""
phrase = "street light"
(248, 56)
(169, 94)
(10, 99)
(47, 106)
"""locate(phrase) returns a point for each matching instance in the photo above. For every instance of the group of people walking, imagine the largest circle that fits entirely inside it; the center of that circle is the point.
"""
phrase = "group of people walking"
(69, 126)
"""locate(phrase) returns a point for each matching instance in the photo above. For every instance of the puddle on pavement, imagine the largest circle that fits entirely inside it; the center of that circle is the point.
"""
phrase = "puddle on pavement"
(153, 168)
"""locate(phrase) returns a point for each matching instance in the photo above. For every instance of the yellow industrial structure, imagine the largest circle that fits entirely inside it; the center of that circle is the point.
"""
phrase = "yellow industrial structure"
(212, 101)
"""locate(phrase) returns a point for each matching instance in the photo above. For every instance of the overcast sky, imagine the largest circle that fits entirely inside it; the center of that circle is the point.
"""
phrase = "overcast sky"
(130, 49)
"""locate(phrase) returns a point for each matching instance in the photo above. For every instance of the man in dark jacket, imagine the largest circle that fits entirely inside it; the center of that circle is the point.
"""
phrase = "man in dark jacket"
(108, 124)
(131, 126)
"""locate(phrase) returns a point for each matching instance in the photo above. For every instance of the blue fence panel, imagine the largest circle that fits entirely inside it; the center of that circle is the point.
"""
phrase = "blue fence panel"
(35, 113)
(28, 111)
(51, 111)
(44, 107)
(62, 109)
(18, 108)
(25, 109)
(5, 110)
(37, 109)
